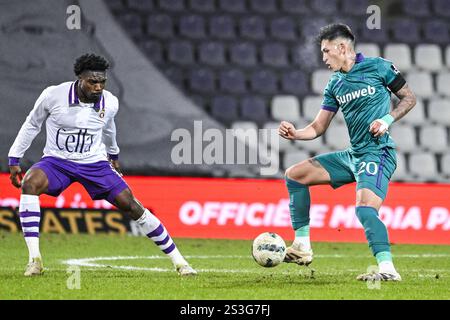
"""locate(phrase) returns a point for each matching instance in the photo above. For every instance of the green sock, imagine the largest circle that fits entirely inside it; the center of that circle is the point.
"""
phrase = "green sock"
(299, 203)
(383, 256)
(376, 232)
(302, 231)
(302, 240)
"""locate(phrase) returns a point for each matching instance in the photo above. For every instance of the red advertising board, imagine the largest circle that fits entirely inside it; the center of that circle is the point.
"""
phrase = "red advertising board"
(243, 208)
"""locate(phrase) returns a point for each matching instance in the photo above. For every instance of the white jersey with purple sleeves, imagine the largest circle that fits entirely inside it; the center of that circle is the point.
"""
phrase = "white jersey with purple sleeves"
(76, 131)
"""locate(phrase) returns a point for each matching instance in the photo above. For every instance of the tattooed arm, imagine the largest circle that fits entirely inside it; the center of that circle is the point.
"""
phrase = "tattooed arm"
(406, 103)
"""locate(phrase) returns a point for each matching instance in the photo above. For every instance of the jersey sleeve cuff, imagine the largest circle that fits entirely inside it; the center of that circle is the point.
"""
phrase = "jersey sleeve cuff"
(397, 83)
(13, 161)
(113, 156)
(329, 108)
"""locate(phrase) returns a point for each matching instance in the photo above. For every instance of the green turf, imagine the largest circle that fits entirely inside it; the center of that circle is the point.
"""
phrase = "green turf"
(227, 271)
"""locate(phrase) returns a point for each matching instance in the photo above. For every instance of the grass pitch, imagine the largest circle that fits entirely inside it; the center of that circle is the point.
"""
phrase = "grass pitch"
(126, 267)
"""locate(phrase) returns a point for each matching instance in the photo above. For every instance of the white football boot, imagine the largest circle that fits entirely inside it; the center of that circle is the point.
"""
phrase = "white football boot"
(379, 276)
(295, 254)
(185, 270)
(34, 268)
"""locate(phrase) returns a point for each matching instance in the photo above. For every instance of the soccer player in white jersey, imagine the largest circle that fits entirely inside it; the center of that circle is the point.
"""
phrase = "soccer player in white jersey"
(81, 147)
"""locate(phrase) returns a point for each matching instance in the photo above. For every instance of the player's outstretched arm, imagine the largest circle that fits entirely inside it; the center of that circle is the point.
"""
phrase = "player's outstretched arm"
(313, 130)
(406, 103)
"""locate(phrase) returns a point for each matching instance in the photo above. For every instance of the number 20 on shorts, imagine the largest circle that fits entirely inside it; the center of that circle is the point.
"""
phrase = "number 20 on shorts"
(371, 168)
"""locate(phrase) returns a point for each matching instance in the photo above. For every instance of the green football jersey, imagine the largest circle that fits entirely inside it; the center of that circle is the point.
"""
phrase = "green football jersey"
(363, 96)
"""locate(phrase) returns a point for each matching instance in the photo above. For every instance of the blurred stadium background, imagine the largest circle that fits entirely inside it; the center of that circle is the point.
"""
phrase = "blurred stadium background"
(232, 64)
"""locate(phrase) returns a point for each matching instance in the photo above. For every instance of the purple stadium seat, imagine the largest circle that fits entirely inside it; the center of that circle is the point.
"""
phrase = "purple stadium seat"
(160, 25)
(310, 27)
(202, 80)
(374, 35)
(232, 81)
(295, 6)
(325, 7)
(234, 6)
(295, 82)
(243, 54)
(202, 5)
(192, 26)
(436, 31)
(441, 7)
(254, 109)
(274, 54)
(253, 28)
(222, 27)
(132, 23)
(153, 50)
(405, 30)
(264, 81)
(355, 7)
(116, 5)
(283, 28)
(306, 55)
(416, 8)
(224, 109)
(171, 5)
(140, 5)
(263, 6)
(212, 53)
(181, 52)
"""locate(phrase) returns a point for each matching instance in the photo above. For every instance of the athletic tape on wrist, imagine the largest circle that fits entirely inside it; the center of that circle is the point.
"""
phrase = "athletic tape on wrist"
(388, 119)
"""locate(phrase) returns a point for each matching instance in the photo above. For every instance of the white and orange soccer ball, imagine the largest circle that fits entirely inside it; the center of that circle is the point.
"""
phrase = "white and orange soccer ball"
(268, 249)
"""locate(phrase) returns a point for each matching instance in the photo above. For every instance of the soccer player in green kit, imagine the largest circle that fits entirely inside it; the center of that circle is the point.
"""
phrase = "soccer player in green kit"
(361, 88)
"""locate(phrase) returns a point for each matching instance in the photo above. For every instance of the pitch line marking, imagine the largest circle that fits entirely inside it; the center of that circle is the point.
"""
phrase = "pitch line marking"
(92, 263)
(88, 262)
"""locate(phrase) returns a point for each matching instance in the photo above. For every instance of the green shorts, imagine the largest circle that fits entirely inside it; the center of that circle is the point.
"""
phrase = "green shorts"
(371, 170)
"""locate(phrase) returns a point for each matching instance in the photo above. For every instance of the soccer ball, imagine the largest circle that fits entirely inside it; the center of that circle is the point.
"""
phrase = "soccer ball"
(268, 249)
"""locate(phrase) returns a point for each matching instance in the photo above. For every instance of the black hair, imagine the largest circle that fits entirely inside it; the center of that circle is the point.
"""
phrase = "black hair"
(91, 62)
(334, 31)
